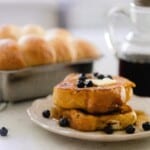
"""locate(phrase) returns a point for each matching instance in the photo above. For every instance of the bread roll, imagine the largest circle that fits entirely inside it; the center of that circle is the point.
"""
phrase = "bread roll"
(36, 50)
(61, 41)
(39, 47)
(33, 29)
(85, 50)
(10, 31)
(58, 32)
(10, 56)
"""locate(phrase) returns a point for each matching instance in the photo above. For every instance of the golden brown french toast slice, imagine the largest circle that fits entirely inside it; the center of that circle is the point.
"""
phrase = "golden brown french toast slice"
(87, 122)
(101, 98)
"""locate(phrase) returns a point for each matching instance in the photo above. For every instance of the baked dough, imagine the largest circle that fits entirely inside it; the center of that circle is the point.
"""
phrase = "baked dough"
(39, 46)
(96, 99)
(36, 51)
(10, 55)
(87, 122)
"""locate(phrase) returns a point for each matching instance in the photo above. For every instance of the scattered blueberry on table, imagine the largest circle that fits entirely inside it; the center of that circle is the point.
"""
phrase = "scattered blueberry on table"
(3, 131)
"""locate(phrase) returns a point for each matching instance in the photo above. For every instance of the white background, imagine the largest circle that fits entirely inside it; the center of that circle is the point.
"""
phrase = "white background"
(78, 13)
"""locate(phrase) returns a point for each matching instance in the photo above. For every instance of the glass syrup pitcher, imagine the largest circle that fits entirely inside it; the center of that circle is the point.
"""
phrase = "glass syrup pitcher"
(134, 52)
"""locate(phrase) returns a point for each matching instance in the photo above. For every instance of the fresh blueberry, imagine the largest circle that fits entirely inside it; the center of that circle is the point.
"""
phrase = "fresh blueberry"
(46, 113)
(95, 74)
(80, 84)
(146, 126)
(3, 131)
(130, 129)
(82, 77)
(100, 76)
(108, 129)
(109, 76)
(63, 122)
(89, 83)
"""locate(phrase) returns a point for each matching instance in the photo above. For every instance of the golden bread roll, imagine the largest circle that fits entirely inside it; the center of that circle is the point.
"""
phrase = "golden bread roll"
(36, 51)
(9, 31)
(87, 122)
(10, 55)
(95, 99)
(33, 29)
(39, 47)
(85, 50)
(58, 32)
(61, 41)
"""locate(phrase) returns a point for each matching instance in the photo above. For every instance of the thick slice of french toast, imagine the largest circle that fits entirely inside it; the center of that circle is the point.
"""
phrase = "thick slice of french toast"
(87, 122)
(95, 99)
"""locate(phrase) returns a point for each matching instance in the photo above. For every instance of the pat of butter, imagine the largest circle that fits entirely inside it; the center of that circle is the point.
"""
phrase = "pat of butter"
(105, 81)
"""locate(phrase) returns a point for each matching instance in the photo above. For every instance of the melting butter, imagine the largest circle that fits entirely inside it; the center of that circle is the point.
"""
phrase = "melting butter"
(105, 81)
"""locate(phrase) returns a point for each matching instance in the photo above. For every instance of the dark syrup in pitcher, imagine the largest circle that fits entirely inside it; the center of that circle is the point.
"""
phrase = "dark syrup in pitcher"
(138, 73)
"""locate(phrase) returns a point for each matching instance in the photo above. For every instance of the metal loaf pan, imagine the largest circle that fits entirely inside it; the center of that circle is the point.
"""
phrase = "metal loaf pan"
(37, 81)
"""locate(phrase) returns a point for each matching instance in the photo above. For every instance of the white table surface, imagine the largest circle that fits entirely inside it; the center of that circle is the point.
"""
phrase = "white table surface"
(25, 135)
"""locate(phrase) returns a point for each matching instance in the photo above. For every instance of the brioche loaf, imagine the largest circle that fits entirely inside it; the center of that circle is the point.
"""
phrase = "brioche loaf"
(85, 49)
(36, 51)
(33, 29)
(10, 31)
(61, 40)
(96, 99)
(36, 46)
(10, 55)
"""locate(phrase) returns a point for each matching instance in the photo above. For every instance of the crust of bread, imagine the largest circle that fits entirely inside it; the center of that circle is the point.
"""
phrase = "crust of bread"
(85, 49)
(10, 55)
(87, 122)
(33, 29)
(38, 46)
(101, 99)
(61, 40)
(9, 31)
(36, 51)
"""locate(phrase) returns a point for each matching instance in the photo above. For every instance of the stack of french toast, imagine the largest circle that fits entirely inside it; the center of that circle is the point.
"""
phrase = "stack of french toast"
(94, 101)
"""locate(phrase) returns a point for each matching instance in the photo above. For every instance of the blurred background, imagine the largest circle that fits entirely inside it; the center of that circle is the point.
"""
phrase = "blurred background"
(72, 14)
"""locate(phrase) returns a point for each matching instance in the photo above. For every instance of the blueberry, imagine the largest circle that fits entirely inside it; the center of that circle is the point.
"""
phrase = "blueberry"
(130, 129)
(146, 126)
(100, 76)
(46, 113)
(63, 122)
(3, 131)
(109, 76)
(95, 74)
(82, 77)
(108, 129)
(89, 83)
(80, 84)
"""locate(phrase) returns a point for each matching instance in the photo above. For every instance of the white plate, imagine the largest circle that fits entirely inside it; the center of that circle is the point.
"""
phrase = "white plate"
(35, 114)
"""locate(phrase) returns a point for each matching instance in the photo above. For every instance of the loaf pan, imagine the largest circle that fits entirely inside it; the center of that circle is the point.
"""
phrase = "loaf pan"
(34, 82)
